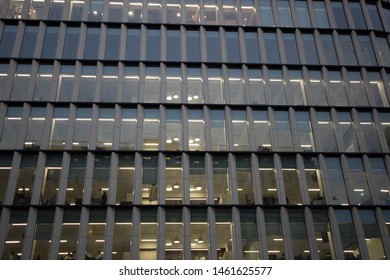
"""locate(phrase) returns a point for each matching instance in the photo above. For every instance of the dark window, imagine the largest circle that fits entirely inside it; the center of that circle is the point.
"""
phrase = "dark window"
(290, 46)
(339, 14)
(193, 46)
(29, 40)
(133, 44)
(310, 49)
(153, 45)
(232, 47)
(7, 40)
(92, 43)
(50, 42)
(213, 46)
(71, 42)
(112, 43)
(252, 47)
(271, 47)
(173, 45)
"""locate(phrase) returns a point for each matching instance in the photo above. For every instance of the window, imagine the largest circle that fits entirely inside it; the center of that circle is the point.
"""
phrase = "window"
(65, 83)
(252, 47)
(290, 45)
(211, 12)
(310, 49)
(133, 44)
(196, 140)
(240, 130)
(198, 190)
(215, 82)
(150, 189)
(75, 186)
(347, 132)
(250, 238)
(284, 13)
(232, 47)
(28, 42)
(71, 42)
(320, 14)
(3, 76)
(34, 133)
(105, 129)
(357, 14)
(100, 179)
(268, 174)
(256, 86)
(383, 50)
(174, 233)
(173, 45)
(151, 135)
(297, 87)
(5, 169)
(329, 49)
(192, 15)
(173, 85)
(25, 179)
(356, 89)
(21, 82)
(128, 129)
(326, 133)
(313, 180)
(96, 9)
(271, 47)
(194, 86)
(275, 241)
(302, 13)
(50, 42)
(266, 18)
(217, 130)
(14, 237)
(305, 133)
(122, 234)
(380, 180)
(36, 9)
(282, 134)
(348, 50)
(369, 133)
(262, 131)
(59, 129)
(244, 180)
(82, 129)
(336, 89)
(112, 44)
(348, 235)
(374, 16)
(299, 239)
(358, 182)
(43, 82)
(229, 12)
(131, 85)
(115, 9)
(193, 45)
(367, 55)
(339, 14)
(291, 182)
(87, 83)
(51, 179)
(276, 88)
(199, 234)
(377, 90)
(224, 230)
(174, 138)
(15, 9)
(92, 39)
(213, 46)
(335, 182)
(174, 11)
(125, 180)
(134, 11)
(76, 10)
(236, 87)
(95, 234)
(154, 11)
(372, 235)
(153, 44)
(174, 184)
(13, 120)
(152, 85)
(316, 88)
(323, 235)
(69, 232)
(42, 234)
(109, 87)
(248, 13)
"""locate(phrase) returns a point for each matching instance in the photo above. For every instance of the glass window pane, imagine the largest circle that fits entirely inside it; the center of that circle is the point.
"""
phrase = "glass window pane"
(173, 235)
(236, 86)
(100, 179)
(92, 43)
(192, 12)
(275, 239)
(291, 181)
(96, 8)
(268, 175)
(217, 130)
(198, 190)
(256, 86)
(348, 235)
(372, 235)
(284, 13)
(131, 85)
(229, 12)
(122, 234)
(222, 191)
(366, 50)
(35, 128)
(357, 14)
(25, 179)
(232, 47)
(326, 133)
(282, 133)
(347, 132)
(368, 129)
(12, 123)
(266, 18)
(174, 13)
(271, 47)
(193, 45)
(28, 42)
(276, 88)
(5, 169)
(194, 86)
(75, 186)
(173, 85)
(252, 47)
(250, 238)
(151, 135)
(105, 129)
(356, 89)
(380, 180)
(69, 232)
(128, 129)
(314, 181)
(134, 12)
(14, 238)
(316, 89)
(244, 180)
(133, 44)
(174, 183)
(154, 11)
(302, 13)
(59, 129)
(215, 82)
(329, 49)
(323, 235)
(21, 82)
(112, 44)
(149, 179)
(224, 231)
(15, 9)
(213, 46)
(87, 83)
(82, 129)
(320, 14)
(125, 180)
(377, 90)
(76, 9)
(339, 14)
(174, 138)
(299, 235)
(310, 48)
(305, 133)
(348, 49)
(199, 234)
(109, 87)
(42, 234)
(335, 182)
(240, 130)
(262, 132)
(153, 45)
(115, 9)
(50, 42)
(297, 87)
(196, 140)
(51, 179)
(374, 16)
(336, 89)
(173, 45)
(95, 234)
(71, 42)
(290, 44)
(361, 194)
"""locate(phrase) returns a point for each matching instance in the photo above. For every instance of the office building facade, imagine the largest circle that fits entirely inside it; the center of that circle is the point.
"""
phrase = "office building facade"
(201, 129)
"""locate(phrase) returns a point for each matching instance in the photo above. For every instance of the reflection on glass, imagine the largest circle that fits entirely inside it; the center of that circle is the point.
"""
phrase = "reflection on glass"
(275, 239)
(154, 11)
(356, 89)
(248, 13)
(192, 15)
(336, 89)
(59, 129)
(15, 9)
(316, 88)
(96, 8)
(229, 12)
(65, 83)
(369, 133)
(305, 133)
(385, 123)
(174, 14)
(76, 9)
(262, 131)
(377, 90)
(347, 132)
(115, 9)
(153, 44)
(134, 11)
